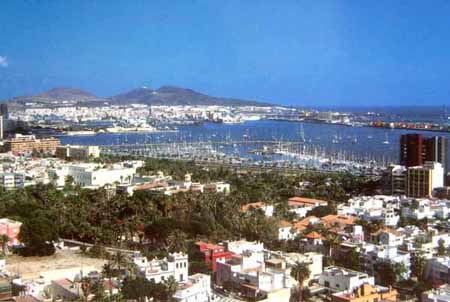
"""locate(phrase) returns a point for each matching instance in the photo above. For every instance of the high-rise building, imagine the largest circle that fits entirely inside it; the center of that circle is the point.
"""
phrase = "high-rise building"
(411, 150)
(1, 127)
(435, 149)
(421, 180)
(416, 149)
(4, 110)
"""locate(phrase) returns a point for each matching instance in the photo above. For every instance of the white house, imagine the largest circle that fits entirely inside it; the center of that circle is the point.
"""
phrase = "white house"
(159, 270)
(373, 254)
(440, 294)
(339, 279)
(418, 209)
(196, 289)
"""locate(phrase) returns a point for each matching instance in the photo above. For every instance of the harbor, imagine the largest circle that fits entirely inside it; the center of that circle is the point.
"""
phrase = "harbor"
(269, 144)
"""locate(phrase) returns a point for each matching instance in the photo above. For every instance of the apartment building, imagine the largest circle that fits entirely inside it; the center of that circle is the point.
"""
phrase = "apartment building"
(28, 143)
(422, 180)
(77, 152)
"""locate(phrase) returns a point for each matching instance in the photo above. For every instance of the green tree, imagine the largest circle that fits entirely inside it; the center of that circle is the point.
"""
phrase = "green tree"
(4, 239)
(442, 250)
(300, 272)
(38, 235)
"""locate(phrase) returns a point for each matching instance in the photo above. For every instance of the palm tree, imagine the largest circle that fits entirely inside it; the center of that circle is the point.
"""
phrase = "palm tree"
(4, 239)
(300, 272)
(171, 287)
(120, 260)
(176, 242)
(108, 273)
(86, 287)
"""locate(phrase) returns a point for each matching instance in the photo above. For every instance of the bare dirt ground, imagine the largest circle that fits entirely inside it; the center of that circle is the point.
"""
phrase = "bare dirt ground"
(31, 267)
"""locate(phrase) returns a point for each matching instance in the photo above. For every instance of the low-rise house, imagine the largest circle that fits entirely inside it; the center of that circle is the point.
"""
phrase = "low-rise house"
(212, 253)
(372, 255)
(10, 228)
(373, 208)
(66, 290)
(285, 230)
(5, 289)
(439, 294)
(340, 221)
(437, 270)
(253, 206)
(387, 236)
(196, 289)
(159, 270)
(263, 274)
(338, 279)
(418, 209)
(13, 180)
(174, 187)
(301, 205)
(366, 293)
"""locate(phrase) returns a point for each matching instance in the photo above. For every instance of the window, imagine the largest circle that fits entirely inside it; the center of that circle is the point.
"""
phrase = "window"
(181, 277)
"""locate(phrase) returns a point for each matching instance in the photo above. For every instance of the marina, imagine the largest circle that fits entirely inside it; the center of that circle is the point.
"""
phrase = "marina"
(261, 143)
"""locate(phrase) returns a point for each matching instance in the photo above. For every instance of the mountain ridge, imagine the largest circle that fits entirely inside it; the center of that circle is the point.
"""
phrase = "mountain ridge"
(164, 95)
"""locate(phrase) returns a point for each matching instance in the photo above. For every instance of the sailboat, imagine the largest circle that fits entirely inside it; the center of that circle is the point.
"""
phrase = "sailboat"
(302, 134)
(386, 141)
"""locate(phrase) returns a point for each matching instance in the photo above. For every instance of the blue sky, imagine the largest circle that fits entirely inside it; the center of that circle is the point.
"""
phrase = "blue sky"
(313, 53)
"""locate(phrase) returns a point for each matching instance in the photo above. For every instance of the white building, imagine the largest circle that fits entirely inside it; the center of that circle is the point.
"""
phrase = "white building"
(159, 270)
(371, 208)
(388, 237)
(241, 246)
(285, 230)
(300, 206)
(94, 175)
(254, 206)
(12, 180)
(422, 209)
(437, 269)
(440, 294)
(373, 254)
(197, 289)
(256, 272)
(339, 279)
(77, 152)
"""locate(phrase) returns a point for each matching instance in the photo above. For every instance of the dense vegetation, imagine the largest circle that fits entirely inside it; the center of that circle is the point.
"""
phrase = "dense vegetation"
(165, 223)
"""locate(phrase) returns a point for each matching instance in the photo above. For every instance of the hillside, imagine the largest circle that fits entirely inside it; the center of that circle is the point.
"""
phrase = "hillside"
(171, 95)
(165, 95)
(57, 97)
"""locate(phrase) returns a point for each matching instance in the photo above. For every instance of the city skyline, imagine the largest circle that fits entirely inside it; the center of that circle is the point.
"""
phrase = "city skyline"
(296, 53)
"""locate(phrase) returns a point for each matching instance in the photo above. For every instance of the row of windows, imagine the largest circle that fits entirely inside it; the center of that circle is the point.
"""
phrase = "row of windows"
(181, 265)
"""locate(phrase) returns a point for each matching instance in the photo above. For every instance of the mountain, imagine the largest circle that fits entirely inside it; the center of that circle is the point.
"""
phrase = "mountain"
(171, 95)
(57, 96)
(165, 95)
(66, 94)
